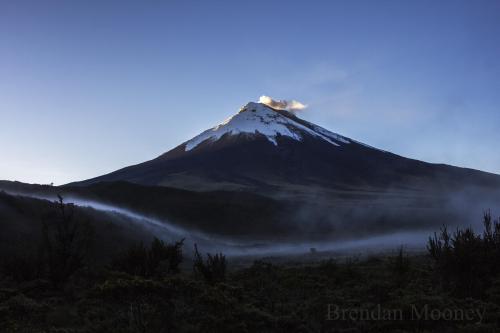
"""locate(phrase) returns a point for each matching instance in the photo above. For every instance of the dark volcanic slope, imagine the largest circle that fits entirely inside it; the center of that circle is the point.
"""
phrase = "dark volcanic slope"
(267, 150)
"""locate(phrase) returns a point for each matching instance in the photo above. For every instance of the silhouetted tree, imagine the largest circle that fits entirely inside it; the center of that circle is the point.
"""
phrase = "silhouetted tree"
(65, 242)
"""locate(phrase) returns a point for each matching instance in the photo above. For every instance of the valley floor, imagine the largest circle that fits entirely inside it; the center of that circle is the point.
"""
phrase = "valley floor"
(377, 294)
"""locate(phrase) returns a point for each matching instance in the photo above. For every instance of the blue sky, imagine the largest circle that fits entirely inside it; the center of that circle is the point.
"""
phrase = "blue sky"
(87, 87)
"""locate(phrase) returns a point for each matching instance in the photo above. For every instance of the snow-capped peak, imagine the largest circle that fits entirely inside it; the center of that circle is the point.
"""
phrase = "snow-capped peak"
(257, 118)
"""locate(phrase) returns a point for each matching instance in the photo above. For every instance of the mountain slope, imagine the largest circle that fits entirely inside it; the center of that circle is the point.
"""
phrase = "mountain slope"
(249, 218)
(267, 174)
(273, 151)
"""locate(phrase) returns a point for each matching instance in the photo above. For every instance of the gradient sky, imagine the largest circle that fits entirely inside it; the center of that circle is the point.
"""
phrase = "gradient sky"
(87, 87)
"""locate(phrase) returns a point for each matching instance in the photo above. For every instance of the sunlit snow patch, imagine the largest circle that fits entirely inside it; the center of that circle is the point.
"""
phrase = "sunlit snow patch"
(257, 118)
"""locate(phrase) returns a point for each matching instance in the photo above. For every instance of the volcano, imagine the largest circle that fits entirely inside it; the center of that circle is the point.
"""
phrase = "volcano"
(264, 173)
(272, 151)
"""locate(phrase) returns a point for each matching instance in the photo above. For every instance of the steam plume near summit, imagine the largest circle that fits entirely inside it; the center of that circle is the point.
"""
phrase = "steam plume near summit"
(291, 105)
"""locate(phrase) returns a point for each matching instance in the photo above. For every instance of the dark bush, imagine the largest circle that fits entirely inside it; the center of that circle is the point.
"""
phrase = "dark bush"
(213, 270)
(164, 258)
(160, 259)
(465, 261)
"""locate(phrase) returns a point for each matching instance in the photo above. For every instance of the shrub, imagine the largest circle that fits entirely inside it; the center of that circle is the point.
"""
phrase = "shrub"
(160, 259)
(164, 258)
(213, 270)
(466, 261)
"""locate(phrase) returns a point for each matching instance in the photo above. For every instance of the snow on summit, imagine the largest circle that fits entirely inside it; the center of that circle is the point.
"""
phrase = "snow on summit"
(258, 118)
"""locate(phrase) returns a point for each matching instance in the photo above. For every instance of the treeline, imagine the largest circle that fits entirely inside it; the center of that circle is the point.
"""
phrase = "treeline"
(64, 250)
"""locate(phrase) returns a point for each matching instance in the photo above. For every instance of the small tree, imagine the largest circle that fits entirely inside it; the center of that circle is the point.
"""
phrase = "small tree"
(213, 270)
(65, 242)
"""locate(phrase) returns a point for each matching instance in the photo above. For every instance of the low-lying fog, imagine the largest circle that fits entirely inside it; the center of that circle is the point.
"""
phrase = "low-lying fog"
(168, 231)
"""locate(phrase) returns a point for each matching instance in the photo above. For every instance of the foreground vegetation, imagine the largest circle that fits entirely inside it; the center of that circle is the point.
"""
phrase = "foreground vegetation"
(161, 287)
